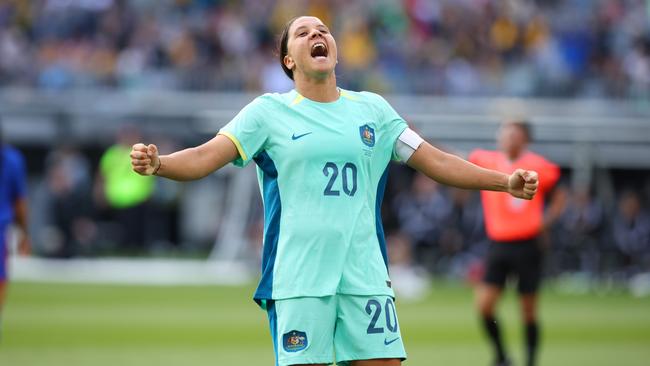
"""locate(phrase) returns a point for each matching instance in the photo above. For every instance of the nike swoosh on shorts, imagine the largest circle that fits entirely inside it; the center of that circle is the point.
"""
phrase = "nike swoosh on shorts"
(387, 342)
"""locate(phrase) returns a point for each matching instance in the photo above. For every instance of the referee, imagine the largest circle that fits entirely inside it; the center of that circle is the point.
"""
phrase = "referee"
(513, 227)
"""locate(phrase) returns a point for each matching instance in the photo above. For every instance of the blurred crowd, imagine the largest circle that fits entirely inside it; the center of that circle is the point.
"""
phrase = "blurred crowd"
(445, 47)
(441, 229)
(87, 207)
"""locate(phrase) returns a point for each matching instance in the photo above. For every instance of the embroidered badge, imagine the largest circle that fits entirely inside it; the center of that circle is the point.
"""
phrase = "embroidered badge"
(367, 135)
(294, 341)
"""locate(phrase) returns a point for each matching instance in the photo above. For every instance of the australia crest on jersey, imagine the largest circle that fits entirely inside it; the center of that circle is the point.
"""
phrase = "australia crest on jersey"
(367, 135)
(295, 341)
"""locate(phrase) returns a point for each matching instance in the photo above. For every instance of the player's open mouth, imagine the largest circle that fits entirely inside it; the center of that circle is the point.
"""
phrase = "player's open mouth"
(319, 49)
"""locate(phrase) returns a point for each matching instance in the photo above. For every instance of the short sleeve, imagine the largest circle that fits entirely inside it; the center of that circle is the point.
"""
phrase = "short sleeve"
(392, 124)
(247, 131)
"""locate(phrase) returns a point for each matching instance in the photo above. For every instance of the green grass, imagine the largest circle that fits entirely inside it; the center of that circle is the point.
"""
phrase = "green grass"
(53, 324)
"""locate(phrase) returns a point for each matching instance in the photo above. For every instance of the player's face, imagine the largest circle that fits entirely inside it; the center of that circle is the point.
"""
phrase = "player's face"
(311, 48)
(511, 139)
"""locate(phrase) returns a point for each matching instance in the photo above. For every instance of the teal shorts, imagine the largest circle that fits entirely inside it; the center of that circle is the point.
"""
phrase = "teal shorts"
(344, 328)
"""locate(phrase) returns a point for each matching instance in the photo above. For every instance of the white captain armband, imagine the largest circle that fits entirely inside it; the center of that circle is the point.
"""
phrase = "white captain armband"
(406, 144)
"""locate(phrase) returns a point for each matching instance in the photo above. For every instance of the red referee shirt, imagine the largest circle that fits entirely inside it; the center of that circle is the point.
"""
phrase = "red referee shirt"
(508, 218)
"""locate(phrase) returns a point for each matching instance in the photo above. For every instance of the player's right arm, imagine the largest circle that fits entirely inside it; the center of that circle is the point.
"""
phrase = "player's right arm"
(188, 164)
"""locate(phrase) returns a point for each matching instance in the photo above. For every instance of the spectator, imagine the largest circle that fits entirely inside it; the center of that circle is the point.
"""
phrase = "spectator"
(632, 233)
(422, 212)
(463, 238)
(70, 204)
(578, 232)
(458, 48)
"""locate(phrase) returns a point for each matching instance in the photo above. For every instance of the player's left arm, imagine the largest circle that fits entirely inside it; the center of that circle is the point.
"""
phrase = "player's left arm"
(452, 170)
(21, 221)
(555, 207)
(18, 197)
(548, 184)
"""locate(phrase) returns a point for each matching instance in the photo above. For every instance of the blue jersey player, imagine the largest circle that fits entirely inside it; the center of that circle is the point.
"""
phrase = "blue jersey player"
(322, 154)
(13, 207)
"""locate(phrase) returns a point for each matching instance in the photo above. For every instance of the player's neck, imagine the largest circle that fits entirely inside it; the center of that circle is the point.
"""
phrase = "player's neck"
(318, 90)
(514, 155)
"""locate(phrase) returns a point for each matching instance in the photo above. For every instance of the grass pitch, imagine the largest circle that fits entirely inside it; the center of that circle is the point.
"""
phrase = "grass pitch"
(101, 325)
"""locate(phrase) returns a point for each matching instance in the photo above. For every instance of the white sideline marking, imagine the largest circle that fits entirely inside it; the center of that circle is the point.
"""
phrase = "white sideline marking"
(163, 272)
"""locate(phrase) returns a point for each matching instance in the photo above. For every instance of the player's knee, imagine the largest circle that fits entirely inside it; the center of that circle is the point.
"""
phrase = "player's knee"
(529, 309)
(485, 302)
(486, 309)
(485, 306)
(529, 315)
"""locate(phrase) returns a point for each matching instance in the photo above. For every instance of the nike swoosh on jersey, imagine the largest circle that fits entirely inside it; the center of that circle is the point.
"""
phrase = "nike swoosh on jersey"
(294, 137)
(387, 342)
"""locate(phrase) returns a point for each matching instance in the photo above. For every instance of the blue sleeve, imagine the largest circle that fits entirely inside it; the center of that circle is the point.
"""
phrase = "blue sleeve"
(248, 131)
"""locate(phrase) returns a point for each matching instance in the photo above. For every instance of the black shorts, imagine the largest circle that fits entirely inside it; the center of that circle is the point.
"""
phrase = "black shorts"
(522, 259)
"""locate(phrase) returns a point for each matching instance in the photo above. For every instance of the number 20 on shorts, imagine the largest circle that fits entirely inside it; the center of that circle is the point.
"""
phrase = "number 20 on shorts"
(374, 309)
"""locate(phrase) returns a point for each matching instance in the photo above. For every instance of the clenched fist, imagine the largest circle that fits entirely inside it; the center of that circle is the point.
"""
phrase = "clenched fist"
(144, 159)
(523, 184)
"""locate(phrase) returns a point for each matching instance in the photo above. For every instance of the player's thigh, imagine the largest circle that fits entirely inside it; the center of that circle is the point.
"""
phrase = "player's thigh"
(530, 261)
(498, 264)
(303, 330)
(367, 328)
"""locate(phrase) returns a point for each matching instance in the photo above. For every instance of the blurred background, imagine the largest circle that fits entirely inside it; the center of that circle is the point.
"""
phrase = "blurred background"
(82, 80)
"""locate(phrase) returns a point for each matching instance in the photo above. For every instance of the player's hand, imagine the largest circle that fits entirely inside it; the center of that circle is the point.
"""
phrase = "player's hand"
(145, 159)
(523, 184)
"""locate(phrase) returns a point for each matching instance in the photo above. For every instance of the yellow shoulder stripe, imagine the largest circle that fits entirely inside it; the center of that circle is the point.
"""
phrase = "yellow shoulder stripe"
(298, 99)
(234, 140)
(347, 95)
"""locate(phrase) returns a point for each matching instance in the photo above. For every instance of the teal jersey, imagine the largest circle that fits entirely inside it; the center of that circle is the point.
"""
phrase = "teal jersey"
(322, 169)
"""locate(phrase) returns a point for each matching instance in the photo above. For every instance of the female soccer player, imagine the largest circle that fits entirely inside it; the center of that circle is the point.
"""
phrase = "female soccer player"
(322, 155)
(13, 207)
